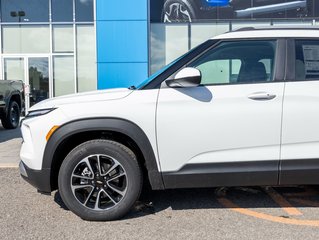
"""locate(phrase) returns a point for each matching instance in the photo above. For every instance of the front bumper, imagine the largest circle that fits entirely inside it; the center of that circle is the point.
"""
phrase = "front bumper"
(40, 179)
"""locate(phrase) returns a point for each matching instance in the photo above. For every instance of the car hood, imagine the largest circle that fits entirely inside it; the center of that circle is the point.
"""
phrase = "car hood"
(100, 95)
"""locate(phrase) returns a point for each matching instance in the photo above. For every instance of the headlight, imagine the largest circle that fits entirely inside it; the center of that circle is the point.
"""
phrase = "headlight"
(40, 112)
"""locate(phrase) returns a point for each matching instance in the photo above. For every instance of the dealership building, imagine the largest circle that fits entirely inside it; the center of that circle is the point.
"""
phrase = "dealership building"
(60, 47)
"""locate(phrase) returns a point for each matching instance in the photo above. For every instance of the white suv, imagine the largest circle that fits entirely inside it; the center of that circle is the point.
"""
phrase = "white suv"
(240, 109)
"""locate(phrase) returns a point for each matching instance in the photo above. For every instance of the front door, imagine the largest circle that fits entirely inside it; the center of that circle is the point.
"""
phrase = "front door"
(34, 72)
(226, 131)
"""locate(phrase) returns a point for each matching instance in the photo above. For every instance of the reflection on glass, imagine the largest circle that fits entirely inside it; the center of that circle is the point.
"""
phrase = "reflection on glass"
(293, 23)
(84, 11)
(86, 58)
(157, 47)
(62, 10)
(243, 24)
(26, 39)
(63, 38)
(176, 41)
(63, 74)
(202, 32)
(25, 11)
(14, 69)
(168, 42)
(38, 79)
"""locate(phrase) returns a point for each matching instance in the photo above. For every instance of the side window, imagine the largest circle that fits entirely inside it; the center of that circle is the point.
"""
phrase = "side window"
(307, 60)
(224, 71)
(237, 62)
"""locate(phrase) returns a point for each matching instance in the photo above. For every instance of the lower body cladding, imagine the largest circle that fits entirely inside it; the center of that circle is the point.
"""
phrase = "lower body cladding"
(256, 173)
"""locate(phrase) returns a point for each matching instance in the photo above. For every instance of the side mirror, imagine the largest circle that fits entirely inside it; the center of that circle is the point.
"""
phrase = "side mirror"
(187, 77)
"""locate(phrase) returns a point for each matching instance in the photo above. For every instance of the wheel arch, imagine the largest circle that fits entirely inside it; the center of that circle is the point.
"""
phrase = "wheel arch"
(14, 96)
(71, 134)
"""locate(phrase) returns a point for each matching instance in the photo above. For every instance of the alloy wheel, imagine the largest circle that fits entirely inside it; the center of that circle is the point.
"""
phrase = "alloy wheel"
(14, 115)
(176, 12)
(99, 182)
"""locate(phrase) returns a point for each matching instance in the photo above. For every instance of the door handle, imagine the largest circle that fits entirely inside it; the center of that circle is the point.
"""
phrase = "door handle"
(261, 96)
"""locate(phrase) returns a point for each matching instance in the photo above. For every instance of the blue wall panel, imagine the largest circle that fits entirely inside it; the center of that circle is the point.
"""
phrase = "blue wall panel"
(113, 75)
(122, 10)
(122, 42)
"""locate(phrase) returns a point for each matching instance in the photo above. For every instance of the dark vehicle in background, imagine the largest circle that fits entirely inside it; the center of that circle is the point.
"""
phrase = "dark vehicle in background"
(194, 10)
(11, 103)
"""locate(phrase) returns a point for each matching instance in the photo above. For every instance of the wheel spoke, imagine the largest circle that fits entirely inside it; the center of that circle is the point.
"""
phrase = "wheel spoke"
(167, 18)
(81, 177)
(122, 193)
(99, 164)
(109, 196)
(116, 177)
(112, 168)
(76, 187)
(89, 196)
(96, 206)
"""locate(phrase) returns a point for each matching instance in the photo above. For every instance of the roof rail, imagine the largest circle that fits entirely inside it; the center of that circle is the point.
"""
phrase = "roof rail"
(276, 28)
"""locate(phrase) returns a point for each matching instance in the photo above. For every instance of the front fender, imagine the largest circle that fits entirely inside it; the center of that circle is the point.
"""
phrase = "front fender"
(106, 124)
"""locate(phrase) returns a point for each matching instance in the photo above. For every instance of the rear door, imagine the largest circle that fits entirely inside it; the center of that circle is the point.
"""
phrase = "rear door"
(300, 133)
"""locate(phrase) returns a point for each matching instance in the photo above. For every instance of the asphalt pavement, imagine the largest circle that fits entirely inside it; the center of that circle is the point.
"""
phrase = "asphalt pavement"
(224, 213)
(10, 143)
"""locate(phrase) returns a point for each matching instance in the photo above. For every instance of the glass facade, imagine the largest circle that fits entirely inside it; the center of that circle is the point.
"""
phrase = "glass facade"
(168, 41)
(25, 11)
(50, 45)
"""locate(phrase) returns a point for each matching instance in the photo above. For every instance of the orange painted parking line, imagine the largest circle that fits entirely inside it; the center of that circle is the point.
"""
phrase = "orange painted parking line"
(3, 166)
(282, 202)
(227, 203)
(306, 202)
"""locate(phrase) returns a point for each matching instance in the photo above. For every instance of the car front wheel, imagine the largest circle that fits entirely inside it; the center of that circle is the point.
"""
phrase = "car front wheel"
(11, 120)
(100, 180)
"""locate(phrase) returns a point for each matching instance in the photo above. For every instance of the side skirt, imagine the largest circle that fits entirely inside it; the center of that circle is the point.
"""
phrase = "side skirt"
(253, 173)
(300, 171)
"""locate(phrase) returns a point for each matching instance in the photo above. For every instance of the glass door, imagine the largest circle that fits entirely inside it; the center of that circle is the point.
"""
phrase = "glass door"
(14, 69)
(38, 77)
(34, 72)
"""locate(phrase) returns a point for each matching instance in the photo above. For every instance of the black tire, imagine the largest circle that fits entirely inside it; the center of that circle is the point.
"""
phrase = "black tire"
(12, 118)
(104, 150)
(178, 11)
